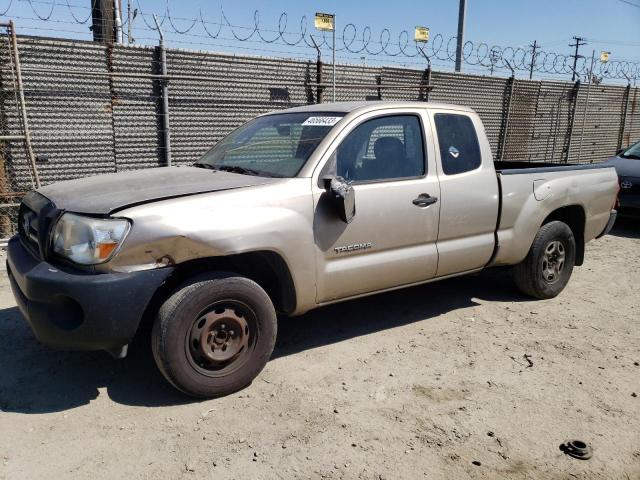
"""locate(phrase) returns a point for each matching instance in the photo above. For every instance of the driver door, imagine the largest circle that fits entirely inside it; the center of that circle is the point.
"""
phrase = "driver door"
(389, 157)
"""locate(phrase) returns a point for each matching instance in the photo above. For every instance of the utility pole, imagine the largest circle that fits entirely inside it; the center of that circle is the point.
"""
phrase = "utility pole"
(117, 8)
(460, 39)
(129, 23)
(534, 47)
(494, 56)
(106, 21)
(102, 21)
(579, 42)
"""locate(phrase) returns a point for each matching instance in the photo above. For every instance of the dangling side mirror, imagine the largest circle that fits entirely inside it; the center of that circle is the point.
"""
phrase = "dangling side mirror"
(342, 197)
(619, 151)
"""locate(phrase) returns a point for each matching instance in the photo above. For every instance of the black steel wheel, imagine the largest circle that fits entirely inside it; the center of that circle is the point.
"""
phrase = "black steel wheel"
(214, 335)
(222, 338)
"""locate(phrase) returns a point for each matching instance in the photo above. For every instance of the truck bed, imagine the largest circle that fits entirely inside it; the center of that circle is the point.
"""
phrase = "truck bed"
(530, 192)
(508, 167)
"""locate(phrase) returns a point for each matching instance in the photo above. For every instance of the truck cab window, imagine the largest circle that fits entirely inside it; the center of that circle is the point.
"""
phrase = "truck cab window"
(459, 148)
(384, 148)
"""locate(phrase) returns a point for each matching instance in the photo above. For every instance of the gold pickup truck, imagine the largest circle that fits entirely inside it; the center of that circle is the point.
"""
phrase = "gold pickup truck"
(293, 210)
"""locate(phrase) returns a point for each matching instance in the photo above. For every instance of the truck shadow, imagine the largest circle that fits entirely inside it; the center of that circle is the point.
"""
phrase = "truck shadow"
(36, 379)
(342, 321)
(626, 227)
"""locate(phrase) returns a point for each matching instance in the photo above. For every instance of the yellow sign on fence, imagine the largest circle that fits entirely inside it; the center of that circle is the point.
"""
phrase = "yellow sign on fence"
(604, 56)
(325, 21)
(421, 34)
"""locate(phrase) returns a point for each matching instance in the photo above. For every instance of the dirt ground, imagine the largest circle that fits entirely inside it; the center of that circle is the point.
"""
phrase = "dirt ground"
(459, 379)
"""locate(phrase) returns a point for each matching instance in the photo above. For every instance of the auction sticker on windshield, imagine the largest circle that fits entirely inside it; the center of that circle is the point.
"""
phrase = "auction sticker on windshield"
(321, 121)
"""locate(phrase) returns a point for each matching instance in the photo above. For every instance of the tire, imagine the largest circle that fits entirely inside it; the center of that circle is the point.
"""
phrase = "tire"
(214, 335)
(537, 275)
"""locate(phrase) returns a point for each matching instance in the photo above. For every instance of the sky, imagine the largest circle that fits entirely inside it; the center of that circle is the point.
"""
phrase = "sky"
(607, 25)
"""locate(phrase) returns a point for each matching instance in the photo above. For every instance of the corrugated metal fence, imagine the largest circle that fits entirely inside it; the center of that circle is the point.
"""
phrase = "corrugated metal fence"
(94, 109)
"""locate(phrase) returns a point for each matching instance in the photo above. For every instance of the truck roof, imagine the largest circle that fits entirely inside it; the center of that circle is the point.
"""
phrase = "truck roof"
(369, 105)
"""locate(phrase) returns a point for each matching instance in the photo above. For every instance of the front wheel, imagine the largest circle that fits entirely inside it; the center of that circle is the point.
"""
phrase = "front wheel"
(214, 335)
(547, 268)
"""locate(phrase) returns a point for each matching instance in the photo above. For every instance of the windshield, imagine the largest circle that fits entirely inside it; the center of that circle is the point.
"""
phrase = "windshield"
(274, 145)
(632, 152)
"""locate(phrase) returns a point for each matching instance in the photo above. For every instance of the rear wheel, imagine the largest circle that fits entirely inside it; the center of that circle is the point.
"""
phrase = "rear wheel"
(547, 268)
(214, 335)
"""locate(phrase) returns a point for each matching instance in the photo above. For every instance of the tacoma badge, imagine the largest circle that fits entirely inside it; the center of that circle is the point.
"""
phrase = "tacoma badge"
(353, 248)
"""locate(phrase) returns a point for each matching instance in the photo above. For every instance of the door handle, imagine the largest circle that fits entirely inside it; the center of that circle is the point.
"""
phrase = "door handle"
(424, 200)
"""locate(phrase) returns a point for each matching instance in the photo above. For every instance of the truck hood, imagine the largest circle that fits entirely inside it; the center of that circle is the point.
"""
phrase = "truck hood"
(104, 194)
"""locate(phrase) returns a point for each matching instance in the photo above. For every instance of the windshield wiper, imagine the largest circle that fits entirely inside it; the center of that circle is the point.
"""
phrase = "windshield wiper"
(631, 155)
(229, 168)
(204, 165)
(237, 169)
(241, 170)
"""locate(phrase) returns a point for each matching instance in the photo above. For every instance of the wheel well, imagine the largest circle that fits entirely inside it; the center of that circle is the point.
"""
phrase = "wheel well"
(266, 268)
(574, 217)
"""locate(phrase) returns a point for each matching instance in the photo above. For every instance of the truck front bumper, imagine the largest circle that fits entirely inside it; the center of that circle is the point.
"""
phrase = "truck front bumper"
(77, 310)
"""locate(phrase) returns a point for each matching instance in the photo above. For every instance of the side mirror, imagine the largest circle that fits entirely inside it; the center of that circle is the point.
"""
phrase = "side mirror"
(342, 197)
(619, 151)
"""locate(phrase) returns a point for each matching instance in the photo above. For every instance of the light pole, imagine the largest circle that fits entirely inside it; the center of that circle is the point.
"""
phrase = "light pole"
(421, 36)
(460, 39)
(326, 22)
(333, 59)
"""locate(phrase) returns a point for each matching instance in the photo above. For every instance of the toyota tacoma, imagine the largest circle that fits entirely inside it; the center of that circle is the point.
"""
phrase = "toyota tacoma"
(293, 210)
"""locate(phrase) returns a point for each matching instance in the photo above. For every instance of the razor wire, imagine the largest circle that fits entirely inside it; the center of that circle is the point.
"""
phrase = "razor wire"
(355, 40)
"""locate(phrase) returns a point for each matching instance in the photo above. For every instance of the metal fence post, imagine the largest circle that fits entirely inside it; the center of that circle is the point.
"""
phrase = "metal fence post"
(572, 121)
(428, 94)
(586, 105)
(623, 124)
(505, 130)
(319, 88)
(23, 108)
(113, 98)
(424, 54)
(165, 95)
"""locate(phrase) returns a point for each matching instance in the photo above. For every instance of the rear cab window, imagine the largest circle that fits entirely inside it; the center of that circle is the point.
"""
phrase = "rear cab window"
(458, 140)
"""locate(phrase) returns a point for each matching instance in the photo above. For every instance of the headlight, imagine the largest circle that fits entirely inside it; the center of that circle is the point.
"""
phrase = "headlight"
(87, 240)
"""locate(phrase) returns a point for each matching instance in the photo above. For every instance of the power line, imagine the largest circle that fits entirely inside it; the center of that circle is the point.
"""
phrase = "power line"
(623, 43)
(628, 2)
(358, 41)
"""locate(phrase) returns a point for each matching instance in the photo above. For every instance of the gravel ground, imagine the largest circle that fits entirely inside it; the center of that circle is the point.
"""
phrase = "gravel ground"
(464, 378)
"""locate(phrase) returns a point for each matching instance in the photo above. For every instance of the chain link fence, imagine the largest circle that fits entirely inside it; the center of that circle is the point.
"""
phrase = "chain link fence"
(95, 109)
